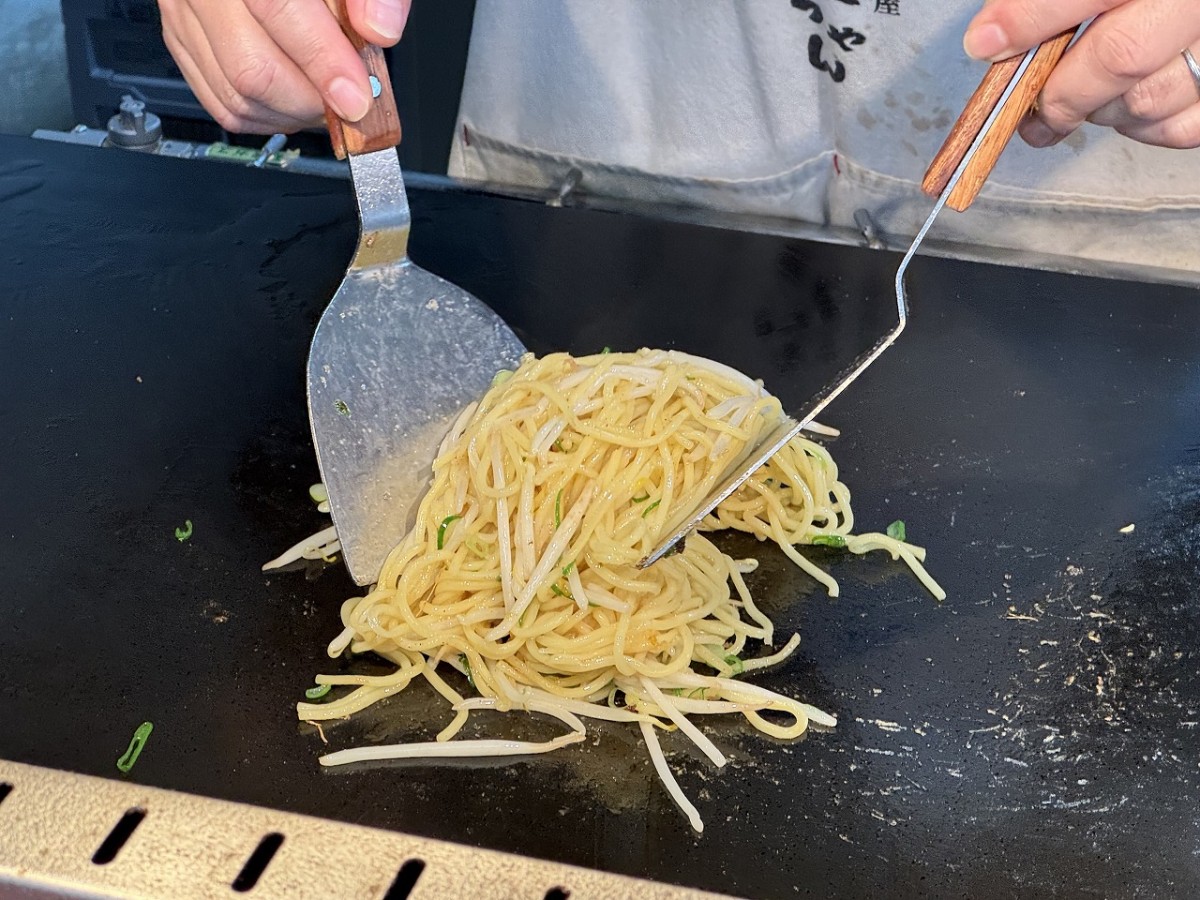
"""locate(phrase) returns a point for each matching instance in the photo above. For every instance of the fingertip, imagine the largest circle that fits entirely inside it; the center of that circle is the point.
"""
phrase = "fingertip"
(1038, 134)
(349, 100)
(380, 21)
(986, 40)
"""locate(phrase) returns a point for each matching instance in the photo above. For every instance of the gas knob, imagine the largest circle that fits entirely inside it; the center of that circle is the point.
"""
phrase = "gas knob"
(133, 128)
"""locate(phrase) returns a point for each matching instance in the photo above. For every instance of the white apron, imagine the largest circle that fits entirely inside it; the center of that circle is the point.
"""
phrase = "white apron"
(808, 110)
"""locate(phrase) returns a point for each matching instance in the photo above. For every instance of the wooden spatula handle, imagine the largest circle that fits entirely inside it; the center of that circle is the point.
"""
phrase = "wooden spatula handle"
(380, 128)
(978, 108)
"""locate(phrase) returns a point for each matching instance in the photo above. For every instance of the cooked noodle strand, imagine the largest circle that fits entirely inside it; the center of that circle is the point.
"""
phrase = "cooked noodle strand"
(521, 569)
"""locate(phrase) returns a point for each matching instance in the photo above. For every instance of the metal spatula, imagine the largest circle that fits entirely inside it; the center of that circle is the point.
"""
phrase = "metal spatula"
(397, 354)
(956, 176)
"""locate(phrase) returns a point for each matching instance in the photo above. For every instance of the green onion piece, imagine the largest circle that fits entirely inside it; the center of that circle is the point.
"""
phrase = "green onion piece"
(651, 508)
(606, 350)
(340, 406)
(441, 540)
(641, 499)
(130, 756)
(182, 534)
(829, 540)
(555, 589)
(318, 493)
(316, 693)
(558, 508)
(567, 569)
(678, 692)
(692, 695)
(558, 445)
(735, 664)
(466, 663)
(896, 530)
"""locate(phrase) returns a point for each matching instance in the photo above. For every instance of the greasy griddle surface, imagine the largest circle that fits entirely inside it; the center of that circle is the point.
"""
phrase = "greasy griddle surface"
(1037, 733)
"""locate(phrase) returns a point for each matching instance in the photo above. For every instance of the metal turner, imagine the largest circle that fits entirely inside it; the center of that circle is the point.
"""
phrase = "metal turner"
(956, 176)
(398, 353)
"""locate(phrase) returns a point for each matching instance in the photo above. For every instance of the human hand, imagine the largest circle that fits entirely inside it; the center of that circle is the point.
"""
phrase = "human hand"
(262, 66)
(1125, 71)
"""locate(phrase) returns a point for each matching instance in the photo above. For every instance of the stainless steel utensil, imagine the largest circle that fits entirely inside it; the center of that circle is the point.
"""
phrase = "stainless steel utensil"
(989, 120)
(398, 353)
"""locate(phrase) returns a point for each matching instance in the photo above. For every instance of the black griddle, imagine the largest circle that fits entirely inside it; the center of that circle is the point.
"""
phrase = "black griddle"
(1037, 734)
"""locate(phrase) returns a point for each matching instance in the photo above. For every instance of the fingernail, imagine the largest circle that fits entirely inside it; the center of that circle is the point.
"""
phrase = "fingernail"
(386, 18)
(986, 41)
(1037, 133)
(349, 100)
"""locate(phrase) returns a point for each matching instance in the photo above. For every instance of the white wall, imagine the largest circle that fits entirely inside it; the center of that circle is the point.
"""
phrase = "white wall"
(34, 91)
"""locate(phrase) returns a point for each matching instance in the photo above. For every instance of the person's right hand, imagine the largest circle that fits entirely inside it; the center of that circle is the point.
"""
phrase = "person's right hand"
(263, 66)
(1125, 71)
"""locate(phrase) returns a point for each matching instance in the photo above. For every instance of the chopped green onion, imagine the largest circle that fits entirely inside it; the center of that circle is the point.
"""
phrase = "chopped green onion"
(466, 664)
(340, 406)
(316, 693)
(567, 569)
(678, 692)
(182, 534)
(558, 508)
(606, 350)
(829, 540)
(319, 493)
(651, 508)
(896, 530)
(735, 664)
(130, 756)
(441, 538)
(692, 695)
(641, 499)
(555, 589)
(558, 445)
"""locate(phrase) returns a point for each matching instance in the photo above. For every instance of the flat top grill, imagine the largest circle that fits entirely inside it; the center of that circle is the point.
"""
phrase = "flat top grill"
(1036, 733)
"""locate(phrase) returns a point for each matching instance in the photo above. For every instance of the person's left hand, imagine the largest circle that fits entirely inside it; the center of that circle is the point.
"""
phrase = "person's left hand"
(1125, 71)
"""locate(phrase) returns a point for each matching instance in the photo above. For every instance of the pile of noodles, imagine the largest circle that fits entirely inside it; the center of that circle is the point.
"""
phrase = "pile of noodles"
(521, 570)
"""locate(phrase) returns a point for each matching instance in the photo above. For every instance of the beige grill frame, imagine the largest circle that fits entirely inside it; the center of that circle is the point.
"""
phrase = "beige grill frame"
(52, 823)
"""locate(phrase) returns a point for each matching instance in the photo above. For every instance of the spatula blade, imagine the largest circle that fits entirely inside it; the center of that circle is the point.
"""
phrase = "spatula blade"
(397, 354)
(395, 358)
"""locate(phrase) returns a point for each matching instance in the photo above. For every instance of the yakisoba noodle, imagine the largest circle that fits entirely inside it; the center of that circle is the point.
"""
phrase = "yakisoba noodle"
(520, 571)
